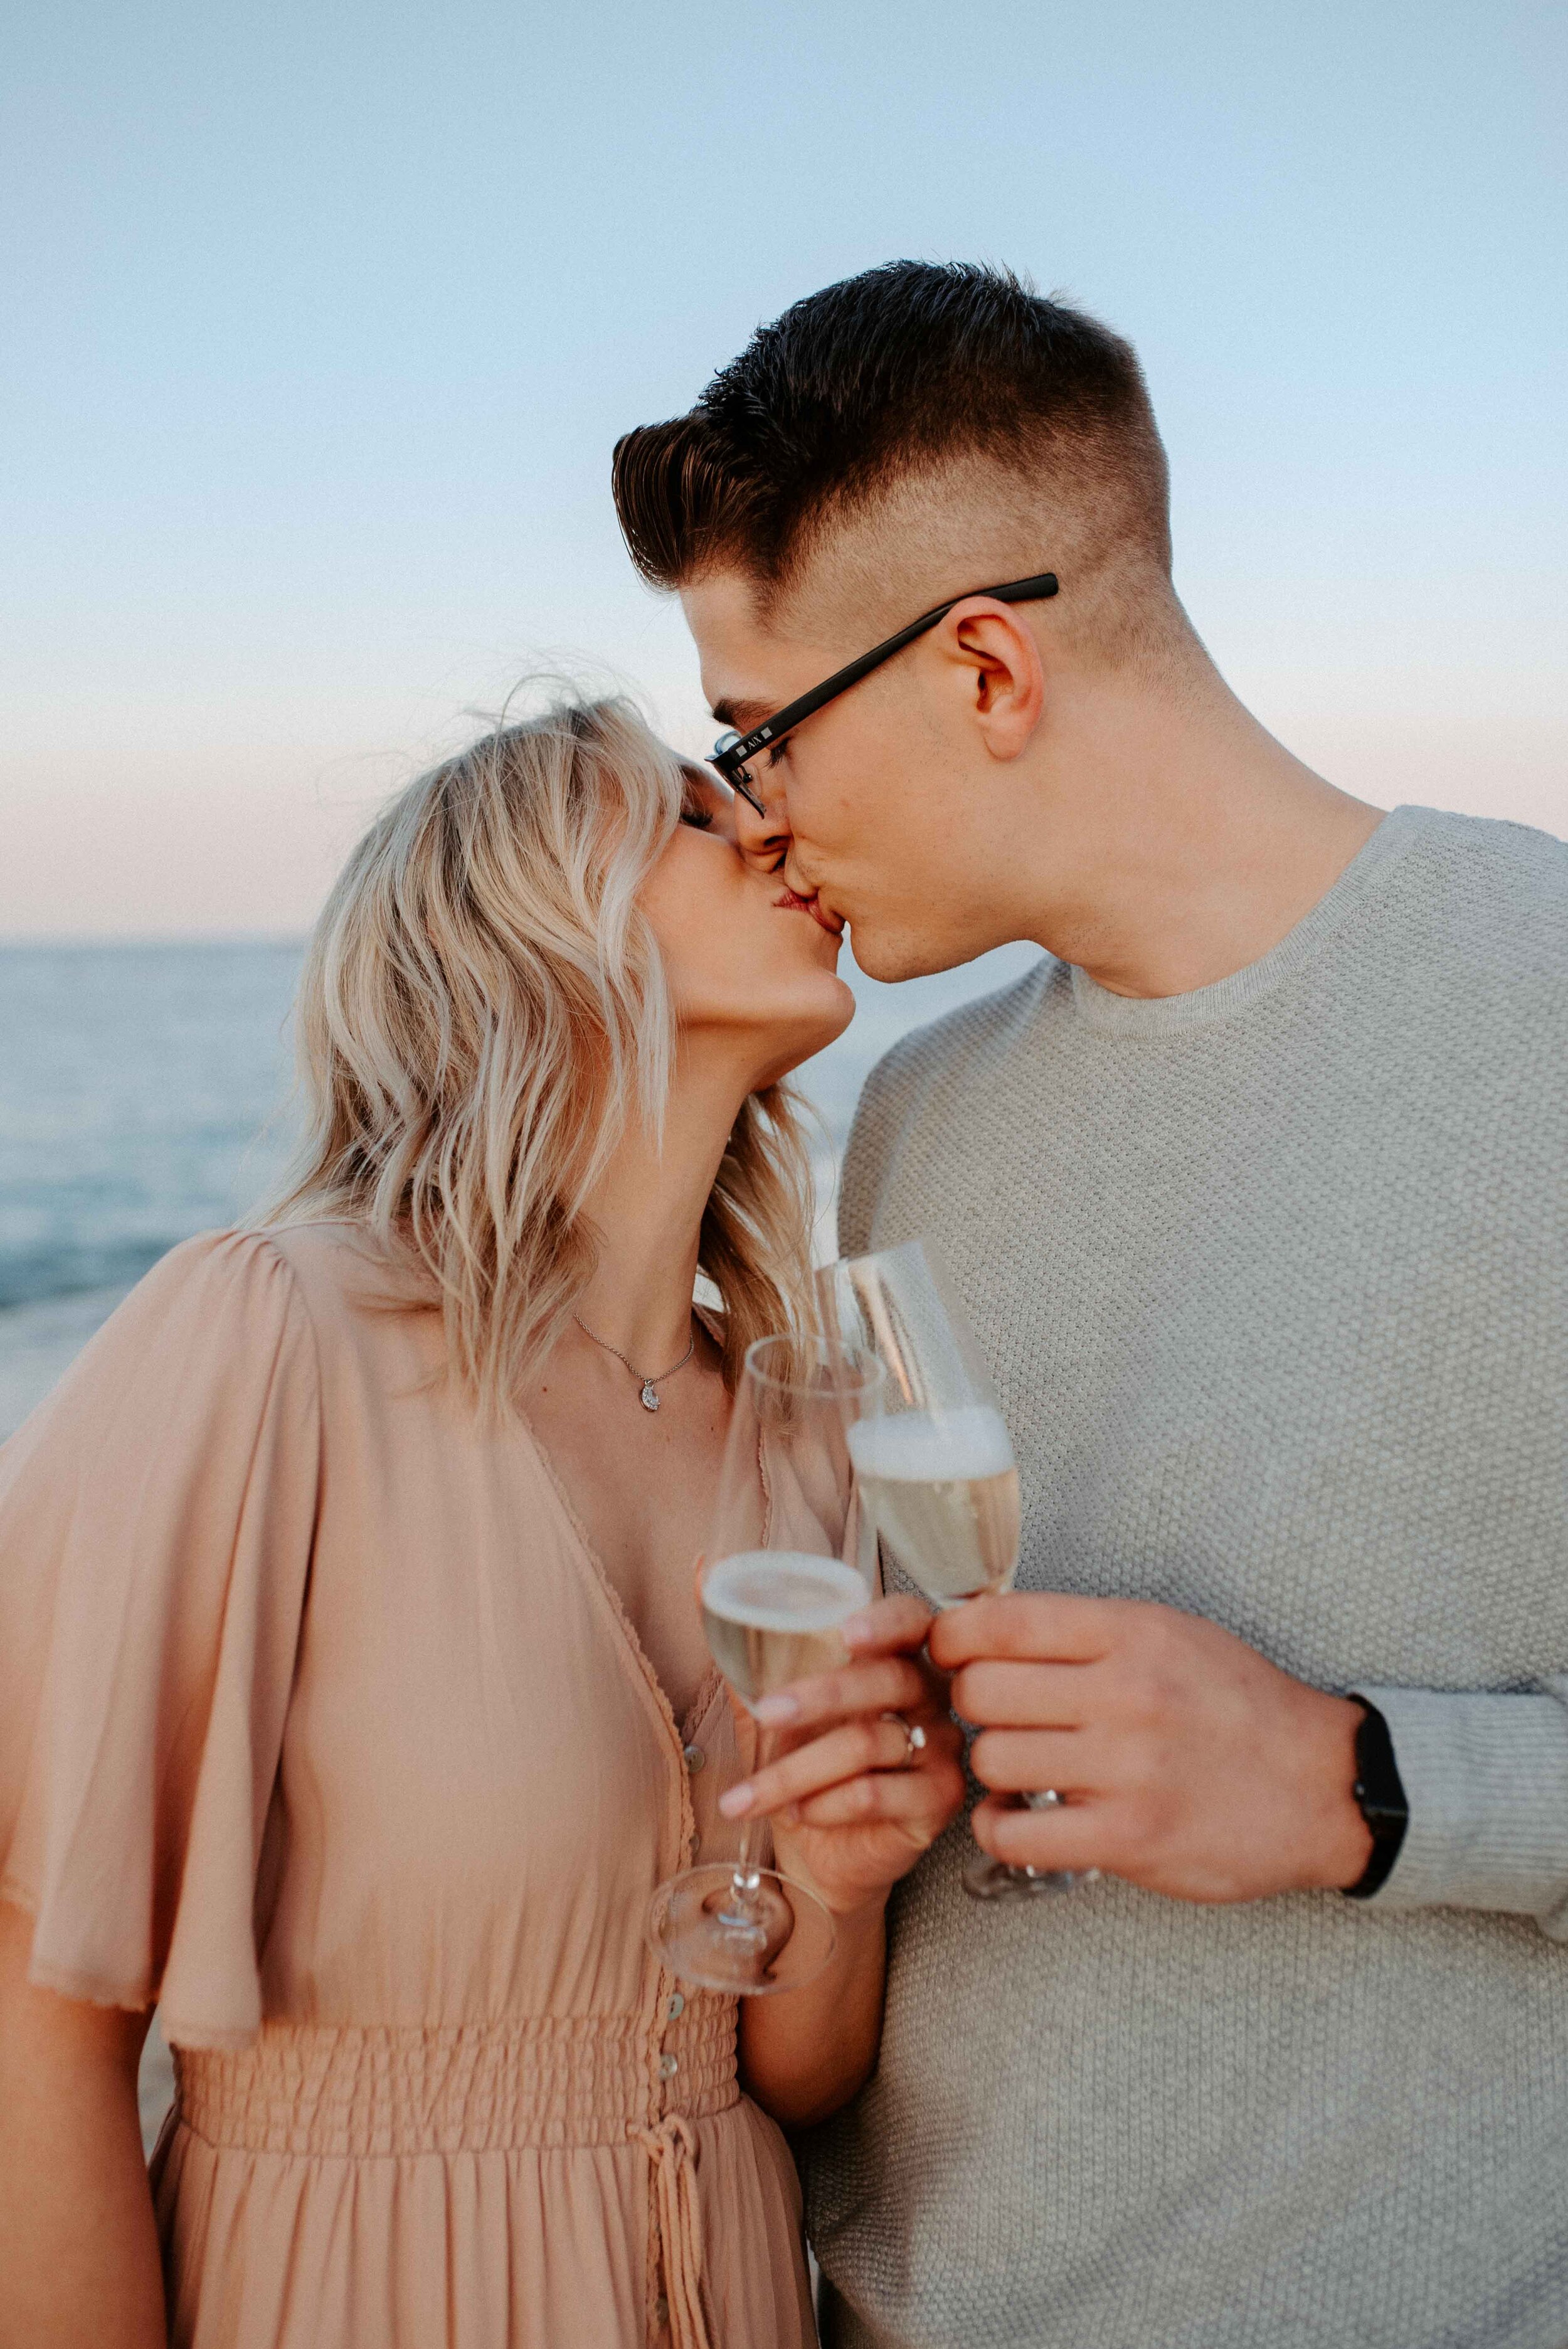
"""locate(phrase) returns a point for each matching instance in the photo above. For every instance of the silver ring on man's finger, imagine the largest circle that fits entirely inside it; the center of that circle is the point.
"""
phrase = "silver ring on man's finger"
(914, 1739)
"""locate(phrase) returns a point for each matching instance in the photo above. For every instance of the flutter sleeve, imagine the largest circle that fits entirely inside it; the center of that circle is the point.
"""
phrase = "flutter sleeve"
(156, 1516)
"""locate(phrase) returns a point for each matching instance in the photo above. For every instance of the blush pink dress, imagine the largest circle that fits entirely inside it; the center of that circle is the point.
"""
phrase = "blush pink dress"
(321, 1725)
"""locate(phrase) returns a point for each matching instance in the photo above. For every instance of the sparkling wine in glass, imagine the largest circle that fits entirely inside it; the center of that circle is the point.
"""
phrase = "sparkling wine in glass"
(941, 1489)
(778, 1577)
(771, 1616)
(938, 1478)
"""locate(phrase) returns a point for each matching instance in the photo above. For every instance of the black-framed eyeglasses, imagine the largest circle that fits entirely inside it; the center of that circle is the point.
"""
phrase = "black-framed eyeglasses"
(731, 751)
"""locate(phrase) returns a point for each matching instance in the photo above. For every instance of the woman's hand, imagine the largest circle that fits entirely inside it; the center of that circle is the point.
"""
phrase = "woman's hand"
(853, 1803)
(853, 1800)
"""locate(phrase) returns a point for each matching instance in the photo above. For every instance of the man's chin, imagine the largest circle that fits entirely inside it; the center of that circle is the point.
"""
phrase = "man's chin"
(892, 956)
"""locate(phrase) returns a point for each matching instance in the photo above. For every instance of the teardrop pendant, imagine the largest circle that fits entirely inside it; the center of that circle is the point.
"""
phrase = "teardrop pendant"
(650, 1400)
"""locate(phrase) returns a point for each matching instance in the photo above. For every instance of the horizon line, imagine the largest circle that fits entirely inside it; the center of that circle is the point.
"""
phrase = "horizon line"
(21, 941)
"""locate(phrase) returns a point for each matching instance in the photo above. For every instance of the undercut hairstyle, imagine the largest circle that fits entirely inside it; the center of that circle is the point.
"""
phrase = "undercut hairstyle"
(945, 408)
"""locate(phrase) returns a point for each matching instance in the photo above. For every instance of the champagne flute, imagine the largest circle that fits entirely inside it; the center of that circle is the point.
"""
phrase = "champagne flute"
(779, 1576)
(938, 1479)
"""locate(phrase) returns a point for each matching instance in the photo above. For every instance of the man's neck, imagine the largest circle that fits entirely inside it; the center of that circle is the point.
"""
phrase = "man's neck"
(1188, 842)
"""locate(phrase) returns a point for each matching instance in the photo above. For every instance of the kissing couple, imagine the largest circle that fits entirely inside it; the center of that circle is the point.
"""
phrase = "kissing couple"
(354, 1699)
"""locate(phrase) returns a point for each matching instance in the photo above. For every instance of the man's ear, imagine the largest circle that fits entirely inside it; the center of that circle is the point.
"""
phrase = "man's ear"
(998, 664)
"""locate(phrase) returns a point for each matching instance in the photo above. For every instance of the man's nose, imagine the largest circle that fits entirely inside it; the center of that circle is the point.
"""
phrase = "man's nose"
(762, 840)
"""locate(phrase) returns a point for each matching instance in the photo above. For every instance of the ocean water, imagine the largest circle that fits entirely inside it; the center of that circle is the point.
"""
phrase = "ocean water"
(145, 1094)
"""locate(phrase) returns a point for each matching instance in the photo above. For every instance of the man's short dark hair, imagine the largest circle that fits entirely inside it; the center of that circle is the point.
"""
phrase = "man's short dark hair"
(908, 370)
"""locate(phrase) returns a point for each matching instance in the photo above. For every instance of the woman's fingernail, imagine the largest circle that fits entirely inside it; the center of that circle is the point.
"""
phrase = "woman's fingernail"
(771, 1710)
(735, 1801)
(856, 1627)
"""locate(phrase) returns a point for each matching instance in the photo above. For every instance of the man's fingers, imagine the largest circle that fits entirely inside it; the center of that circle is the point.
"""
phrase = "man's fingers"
(1022, 1696)
(1027, 1761)
(897, 1624)
(885, 1684)
(1071, 1836)
(1041, 1624)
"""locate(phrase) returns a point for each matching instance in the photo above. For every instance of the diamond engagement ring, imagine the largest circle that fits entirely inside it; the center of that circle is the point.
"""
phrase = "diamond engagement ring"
(914, 1739)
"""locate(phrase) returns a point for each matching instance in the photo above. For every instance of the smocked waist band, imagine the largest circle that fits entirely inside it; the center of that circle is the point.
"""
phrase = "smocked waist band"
(542, 2081)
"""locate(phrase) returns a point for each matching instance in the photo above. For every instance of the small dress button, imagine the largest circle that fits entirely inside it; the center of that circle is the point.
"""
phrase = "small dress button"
(668, 2067)
(695, 1758)
(676, 2006)
(694, 1843)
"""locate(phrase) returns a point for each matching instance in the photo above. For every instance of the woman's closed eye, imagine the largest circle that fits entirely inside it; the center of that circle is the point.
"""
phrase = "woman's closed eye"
(704, 800)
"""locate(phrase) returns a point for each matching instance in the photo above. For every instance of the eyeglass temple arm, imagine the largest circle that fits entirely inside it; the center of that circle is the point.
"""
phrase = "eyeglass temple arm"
(784, 721)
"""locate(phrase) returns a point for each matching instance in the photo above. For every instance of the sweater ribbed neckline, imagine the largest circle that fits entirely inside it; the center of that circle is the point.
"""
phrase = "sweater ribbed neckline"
(1163, 1015)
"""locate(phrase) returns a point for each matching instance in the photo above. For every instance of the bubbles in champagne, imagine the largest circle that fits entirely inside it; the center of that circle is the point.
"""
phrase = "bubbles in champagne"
(941, 1489)
(771, 1616)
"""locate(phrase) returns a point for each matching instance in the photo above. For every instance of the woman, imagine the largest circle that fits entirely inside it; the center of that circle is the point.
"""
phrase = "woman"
(352, 1695)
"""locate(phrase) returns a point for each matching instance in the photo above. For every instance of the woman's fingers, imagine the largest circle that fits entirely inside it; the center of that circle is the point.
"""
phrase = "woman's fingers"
(868, 1744)
(841, 1752)
(884, 1684)
(904, 1798)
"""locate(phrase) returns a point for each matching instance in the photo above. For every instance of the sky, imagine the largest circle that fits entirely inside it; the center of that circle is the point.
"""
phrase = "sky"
(322, 322)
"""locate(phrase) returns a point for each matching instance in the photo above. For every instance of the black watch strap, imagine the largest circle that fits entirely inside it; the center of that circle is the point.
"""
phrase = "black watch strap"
(1380, 1799)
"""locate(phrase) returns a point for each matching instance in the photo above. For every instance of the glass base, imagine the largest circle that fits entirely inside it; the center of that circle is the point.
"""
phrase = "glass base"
(990, 1879)
(744, 1932)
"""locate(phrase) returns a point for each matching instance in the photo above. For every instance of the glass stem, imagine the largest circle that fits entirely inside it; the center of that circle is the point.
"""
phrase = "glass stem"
(745, 1858)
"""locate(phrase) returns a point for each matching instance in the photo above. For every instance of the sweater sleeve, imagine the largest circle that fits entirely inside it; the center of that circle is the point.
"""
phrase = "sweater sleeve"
(1486, 1778)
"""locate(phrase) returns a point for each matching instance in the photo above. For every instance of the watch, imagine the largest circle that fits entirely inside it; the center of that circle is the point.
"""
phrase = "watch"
(1380, 1799)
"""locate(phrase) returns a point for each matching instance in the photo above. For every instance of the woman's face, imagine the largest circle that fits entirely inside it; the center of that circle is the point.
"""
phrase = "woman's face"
(744, 959)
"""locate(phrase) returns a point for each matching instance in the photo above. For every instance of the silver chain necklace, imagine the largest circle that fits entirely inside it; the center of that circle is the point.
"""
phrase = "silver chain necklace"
(649, 1398)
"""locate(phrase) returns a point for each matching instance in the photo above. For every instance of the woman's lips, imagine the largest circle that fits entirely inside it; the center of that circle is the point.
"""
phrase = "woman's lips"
(831, 922)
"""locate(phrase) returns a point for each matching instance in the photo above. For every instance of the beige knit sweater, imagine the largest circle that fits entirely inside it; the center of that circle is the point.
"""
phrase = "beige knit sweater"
(1275, 1281)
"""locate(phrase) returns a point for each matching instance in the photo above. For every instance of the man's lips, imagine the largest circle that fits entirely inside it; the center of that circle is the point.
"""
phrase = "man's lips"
(793, 902)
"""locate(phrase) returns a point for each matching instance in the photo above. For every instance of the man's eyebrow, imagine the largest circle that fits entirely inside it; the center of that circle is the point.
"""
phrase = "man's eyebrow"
(742, 716)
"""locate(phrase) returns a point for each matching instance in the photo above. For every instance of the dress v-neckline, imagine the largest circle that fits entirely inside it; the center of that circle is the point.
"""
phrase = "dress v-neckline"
(678, 1731)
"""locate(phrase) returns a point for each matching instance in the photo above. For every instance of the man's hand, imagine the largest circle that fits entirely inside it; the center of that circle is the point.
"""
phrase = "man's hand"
(1187, 1764)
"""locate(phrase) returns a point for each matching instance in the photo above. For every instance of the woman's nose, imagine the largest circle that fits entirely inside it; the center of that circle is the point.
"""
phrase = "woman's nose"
(762, 840)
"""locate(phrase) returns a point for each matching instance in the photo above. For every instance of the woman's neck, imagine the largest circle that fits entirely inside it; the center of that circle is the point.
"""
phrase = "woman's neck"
(647, 1209)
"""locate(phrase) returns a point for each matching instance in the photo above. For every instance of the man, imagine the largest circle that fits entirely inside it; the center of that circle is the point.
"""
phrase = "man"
(1255, 1189)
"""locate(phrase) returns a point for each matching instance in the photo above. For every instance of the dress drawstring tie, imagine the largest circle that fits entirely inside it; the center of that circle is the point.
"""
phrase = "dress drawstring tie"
(672, 2150)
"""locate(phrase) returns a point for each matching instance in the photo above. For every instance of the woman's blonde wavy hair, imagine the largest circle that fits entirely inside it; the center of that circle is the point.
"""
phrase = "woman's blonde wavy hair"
(482, 1013)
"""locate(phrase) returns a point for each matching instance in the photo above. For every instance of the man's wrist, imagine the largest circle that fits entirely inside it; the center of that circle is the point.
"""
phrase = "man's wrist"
(1379, 1795)
(1341, 1844)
